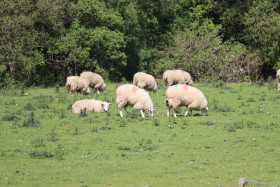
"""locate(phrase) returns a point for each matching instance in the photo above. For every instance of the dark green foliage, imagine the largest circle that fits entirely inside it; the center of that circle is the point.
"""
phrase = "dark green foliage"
(38, 142)
(53, 136)
(83, 113)
(59, 152)
(40, 154)
(45, 41)
(31, 121)
(29, 106)
(10, 117)
(216, 106)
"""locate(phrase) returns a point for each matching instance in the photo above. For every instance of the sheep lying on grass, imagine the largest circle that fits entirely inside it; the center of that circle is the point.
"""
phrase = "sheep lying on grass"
(90, 105)
(95, 81)
(278, 79)
(185, 95)
(172, 77)
(144, 80)
(130, 95)
(78, 84)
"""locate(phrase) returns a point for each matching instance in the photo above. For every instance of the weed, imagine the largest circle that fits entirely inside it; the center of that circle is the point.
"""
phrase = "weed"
(156, 122)
(260, 82)
(57, 88)
(252, 124)
(271, 126)
(271, 83)
(10, 117)
(76, 131)
(239, 97)
(122, 148)
(146, 145)
(38, 142)
(94, 129)
(59, 152)
(29, 106)
(219, 108)
(251, 100)
(106, 128)
(40, 154)
(123, 123)
(44, 104)
(62, 114)
(208, 123)
(31, 121)
(61, 98)
(83, 113)
(218, 84)
(53, 136)
(133, 114)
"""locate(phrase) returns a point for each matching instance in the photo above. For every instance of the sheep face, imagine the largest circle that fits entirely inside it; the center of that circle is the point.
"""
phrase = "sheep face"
(204, 111)
(105, 106)
(150, 112)
(87, 91)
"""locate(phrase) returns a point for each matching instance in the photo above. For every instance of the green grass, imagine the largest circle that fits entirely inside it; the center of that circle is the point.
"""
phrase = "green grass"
(43, 144)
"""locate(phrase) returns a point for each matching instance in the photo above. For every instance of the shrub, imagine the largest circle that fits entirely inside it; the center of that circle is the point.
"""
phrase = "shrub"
(10, 117)
(40, 154)
(31, 121)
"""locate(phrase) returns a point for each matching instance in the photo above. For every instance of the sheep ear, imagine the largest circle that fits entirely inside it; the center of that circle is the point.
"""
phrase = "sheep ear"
(102, 104)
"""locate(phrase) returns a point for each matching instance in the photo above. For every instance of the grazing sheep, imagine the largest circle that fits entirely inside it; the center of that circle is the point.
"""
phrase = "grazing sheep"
(144, 80)
(278, 79)
(95, 81)
(130, 95)
(185, 95)
(171, 77)
(90, 105)
(78, 84)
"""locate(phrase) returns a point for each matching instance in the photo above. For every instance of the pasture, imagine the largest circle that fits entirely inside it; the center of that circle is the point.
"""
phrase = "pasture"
(43, 144)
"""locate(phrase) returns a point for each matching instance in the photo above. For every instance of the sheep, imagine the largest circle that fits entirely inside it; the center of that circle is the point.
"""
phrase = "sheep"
(78, 84)
(185, 95)
(278, 79)
(95, 81)
(144, 80)
(131, 95)
(90, 105)
(171, 77)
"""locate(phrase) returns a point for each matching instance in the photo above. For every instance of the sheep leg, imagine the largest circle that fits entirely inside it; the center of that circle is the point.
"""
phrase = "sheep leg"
(168, 111)
(97, 91)
(125, 109)
(174, 113)
(186, 113)
(278, 84)
(142, 113)
(121, 114)
(190, 110)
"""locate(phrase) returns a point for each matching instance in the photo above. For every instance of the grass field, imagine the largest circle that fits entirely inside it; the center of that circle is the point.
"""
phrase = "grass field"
(43, 144)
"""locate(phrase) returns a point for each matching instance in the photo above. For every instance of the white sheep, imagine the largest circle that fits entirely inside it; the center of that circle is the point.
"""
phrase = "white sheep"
(278, 79)
(185, 95)
(95, 81)
(78, 84)
(144, 80)
(172, 77)
(90, 105)
(131, 95)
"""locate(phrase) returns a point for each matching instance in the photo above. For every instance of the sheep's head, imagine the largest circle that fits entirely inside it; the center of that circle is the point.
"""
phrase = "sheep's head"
(190, 82)
(105, 106)
(204, 111)
(150, 112)
(155, 88)
(87, 91)
(104, 87)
